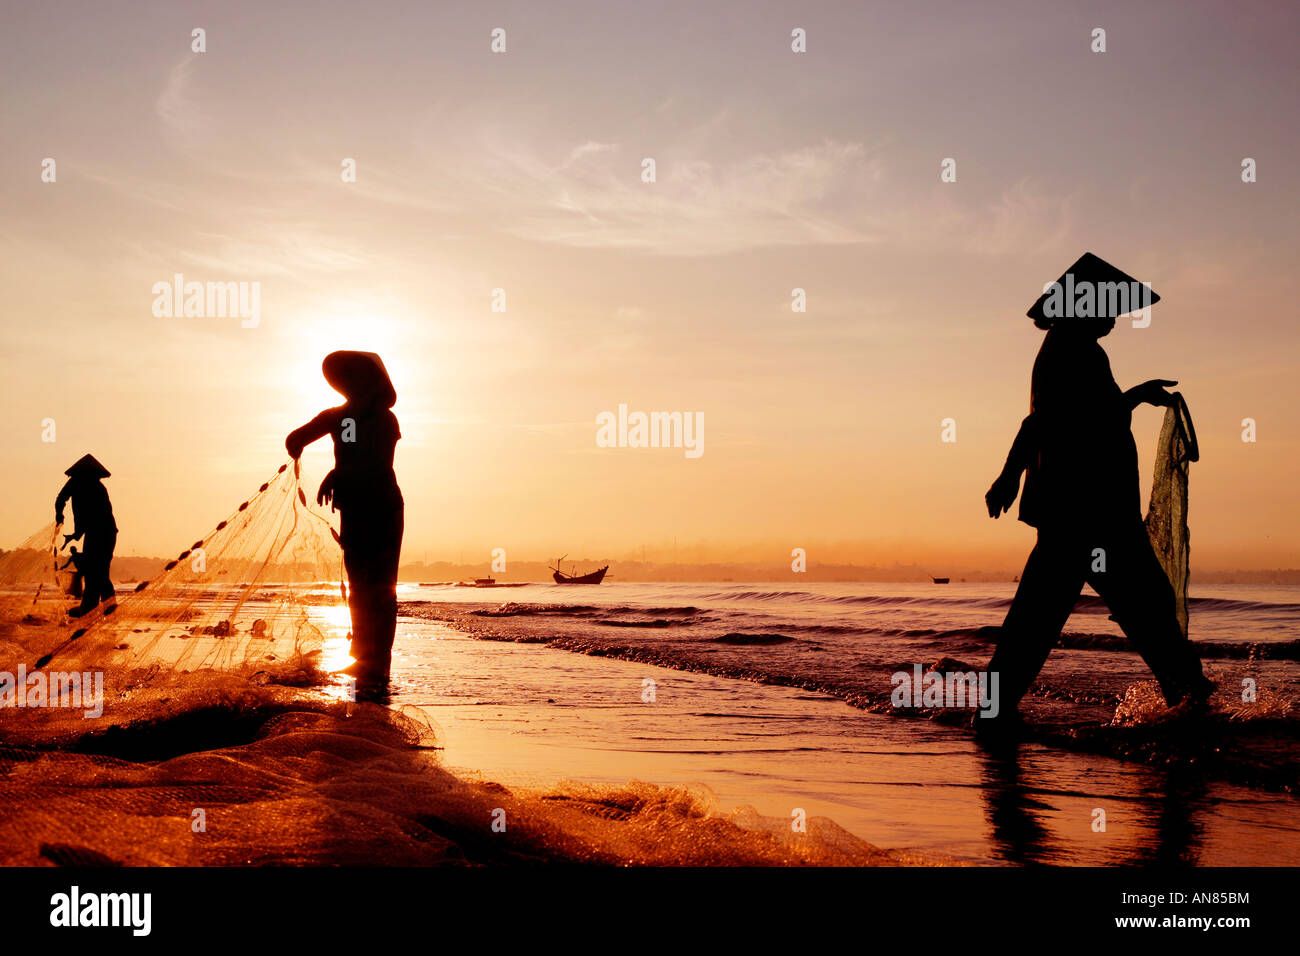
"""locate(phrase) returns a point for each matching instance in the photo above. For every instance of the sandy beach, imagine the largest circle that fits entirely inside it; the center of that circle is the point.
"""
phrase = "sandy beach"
(513, 467)
(277, 766)
(503, 752)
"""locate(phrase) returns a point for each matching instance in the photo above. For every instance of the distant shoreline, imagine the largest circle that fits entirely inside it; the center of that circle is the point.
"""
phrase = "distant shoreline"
(128, 569)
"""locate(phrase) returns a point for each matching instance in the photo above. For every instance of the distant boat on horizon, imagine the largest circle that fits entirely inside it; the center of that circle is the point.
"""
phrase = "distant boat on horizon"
(592, 577)
(938, 580)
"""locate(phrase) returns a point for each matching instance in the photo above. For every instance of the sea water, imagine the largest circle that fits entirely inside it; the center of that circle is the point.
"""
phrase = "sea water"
(780, 696)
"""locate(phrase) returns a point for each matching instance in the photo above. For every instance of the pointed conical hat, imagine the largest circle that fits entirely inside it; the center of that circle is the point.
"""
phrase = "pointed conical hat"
(359, 377)
(1090, 269)
(88, 465)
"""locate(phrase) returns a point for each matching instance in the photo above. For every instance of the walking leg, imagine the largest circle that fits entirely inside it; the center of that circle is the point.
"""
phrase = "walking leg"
(1049, 588)
(1141, 599)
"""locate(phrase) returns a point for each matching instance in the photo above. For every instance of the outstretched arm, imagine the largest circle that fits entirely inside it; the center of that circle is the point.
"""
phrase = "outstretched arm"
(1152, 393)
(318, 427)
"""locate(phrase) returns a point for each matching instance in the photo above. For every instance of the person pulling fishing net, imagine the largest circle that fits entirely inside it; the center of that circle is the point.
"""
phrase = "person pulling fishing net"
(95, 529)
(363, 488)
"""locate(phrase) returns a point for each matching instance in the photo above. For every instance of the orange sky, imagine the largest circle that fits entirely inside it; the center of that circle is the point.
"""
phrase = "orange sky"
(522, 171)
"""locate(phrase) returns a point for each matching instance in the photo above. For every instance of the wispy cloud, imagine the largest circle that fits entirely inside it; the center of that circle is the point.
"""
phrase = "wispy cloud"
(596, 197)
(1019, 220)
(290, 251)
(174, 107)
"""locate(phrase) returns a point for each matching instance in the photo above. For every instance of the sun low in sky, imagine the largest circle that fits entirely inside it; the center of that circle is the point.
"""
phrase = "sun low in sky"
(483, 221)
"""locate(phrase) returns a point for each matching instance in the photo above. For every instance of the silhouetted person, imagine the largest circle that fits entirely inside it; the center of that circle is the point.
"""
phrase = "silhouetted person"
(76, 587)
(363, 488)
(1081, 492)
(95, 528)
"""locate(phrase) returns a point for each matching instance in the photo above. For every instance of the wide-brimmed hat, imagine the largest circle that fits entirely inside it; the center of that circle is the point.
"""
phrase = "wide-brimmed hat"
(88, 465)
(359, 377)
(1113, 293)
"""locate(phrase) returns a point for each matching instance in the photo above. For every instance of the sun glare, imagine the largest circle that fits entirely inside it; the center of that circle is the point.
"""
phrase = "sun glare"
(361, 331)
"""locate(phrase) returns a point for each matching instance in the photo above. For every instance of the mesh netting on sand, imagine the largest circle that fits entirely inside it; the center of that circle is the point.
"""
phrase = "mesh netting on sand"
(196, 723)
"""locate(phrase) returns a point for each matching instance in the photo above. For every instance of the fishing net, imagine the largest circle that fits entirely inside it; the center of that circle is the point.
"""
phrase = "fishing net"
(245, 603)
(198, 722)
(1166, 519)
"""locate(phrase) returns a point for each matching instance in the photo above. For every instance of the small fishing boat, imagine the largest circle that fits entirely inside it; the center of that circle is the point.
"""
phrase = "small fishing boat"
(938, 580)
(592, 577)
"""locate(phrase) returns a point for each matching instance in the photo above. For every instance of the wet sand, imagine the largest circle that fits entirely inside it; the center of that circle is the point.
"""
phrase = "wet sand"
(528, 715)
(262, 764)
(586, 768)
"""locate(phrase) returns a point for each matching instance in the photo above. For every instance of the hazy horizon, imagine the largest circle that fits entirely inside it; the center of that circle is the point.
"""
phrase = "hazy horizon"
(522, 171)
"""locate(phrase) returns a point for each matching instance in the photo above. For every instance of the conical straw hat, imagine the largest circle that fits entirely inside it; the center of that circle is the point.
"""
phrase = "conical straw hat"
(88, 465)
(1097, 272)
(359, 377)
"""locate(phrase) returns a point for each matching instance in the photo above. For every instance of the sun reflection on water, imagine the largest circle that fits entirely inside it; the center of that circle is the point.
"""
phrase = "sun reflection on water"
(335, 624)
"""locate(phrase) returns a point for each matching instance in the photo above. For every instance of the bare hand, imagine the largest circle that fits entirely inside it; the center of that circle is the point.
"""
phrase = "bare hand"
(1153, 393)
(1002, 493)
(325, 496)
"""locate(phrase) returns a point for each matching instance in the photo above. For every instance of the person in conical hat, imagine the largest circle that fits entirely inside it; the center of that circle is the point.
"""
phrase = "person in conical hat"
(1092, 288)
(359, 377)
(87, 465)
(363, 488)
(1082, 494)
(95, 528)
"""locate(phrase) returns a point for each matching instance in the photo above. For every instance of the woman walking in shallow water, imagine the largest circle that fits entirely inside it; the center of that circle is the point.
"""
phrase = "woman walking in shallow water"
(1081, 493)
(362, 487)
